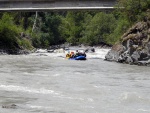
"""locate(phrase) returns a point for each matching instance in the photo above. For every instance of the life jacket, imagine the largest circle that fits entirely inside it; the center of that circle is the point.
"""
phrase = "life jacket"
(68, 55)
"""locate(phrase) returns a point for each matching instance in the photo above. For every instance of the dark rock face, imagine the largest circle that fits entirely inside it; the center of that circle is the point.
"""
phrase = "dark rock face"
(135, 46)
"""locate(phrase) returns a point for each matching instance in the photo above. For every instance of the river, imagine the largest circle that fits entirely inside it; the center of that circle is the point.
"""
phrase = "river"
(49, 83)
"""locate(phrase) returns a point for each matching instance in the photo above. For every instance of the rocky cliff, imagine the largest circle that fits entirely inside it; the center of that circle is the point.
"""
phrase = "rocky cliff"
(134, 47)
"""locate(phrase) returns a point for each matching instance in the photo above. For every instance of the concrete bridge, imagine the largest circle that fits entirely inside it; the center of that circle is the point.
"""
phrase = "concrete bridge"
(45, 5)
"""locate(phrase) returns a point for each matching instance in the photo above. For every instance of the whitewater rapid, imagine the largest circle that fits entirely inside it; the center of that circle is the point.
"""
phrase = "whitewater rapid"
(98, 54)
(45, 82)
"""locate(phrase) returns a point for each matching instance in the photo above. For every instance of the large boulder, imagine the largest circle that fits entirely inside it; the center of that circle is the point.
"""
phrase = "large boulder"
(114, 53)
(134, 47)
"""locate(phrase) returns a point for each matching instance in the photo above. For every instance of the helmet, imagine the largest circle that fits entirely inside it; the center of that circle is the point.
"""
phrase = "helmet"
(72, 52)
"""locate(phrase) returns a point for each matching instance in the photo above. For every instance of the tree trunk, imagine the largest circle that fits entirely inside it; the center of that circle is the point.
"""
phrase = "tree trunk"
(35, 21)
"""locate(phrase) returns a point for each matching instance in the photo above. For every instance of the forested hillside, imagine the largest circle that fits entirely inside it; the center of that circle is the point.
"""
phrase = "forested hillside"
(26, 30)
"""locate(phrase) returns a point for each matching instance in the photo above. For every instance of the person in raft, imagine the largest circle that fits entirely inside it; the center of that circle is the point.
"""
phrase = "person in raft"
(68, 55)
(79, 54)
(72, 55)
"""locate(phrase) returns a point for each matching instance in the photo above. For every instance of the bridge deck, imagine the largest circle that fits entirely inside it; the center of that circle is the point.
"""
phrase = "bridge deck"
(55, 4)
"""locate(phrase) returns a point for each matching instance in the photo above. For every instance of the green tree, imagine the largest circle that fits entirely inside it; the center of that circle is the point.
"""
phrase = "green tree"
(121, 27)
(71, 28)
(100, 26)
(47, 30)
(134, 10)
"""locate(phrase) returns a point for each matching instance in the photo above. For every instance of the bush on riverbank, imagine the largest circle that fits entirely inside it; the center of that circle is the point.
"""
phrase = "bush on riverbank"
(10, 35)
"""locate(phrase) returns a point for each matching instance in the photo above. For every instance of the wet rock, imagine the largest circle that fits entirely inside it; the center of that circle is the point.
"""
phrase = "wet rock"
(112, 56)
(50, 51)
(115, 52)
(144, 63)
(89, 50)
(41, 54)
(93, 49)
(12, 106)
(129, 60)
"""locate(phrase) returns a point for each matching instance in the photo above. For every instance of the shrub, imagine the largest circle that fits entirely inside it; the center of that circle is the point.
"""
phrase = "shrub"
(8, 32)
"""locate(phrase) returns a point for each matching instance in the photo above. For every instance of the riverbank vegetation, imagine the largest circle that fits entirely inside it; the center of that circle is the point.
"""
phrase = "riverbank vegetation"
(26, 30)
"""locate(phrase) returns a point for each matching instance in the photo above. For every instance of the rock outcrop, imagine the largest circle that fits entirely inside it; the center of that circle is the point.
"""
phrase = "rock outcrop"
(134, 47)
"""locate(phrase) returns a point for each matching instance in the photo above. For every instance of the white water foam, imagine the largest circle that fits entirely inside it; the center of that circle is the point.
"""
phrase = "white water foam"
(98, 54)
(144, 110)
(38, 107)
(27, 89)
(37, 91)
(41, 51)
(130, 96)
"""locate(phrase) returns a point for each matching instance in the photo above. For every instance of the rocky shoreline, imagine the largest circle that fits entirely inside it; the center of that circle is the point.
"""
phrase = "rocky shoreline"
(134, 47)
(14, 52)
